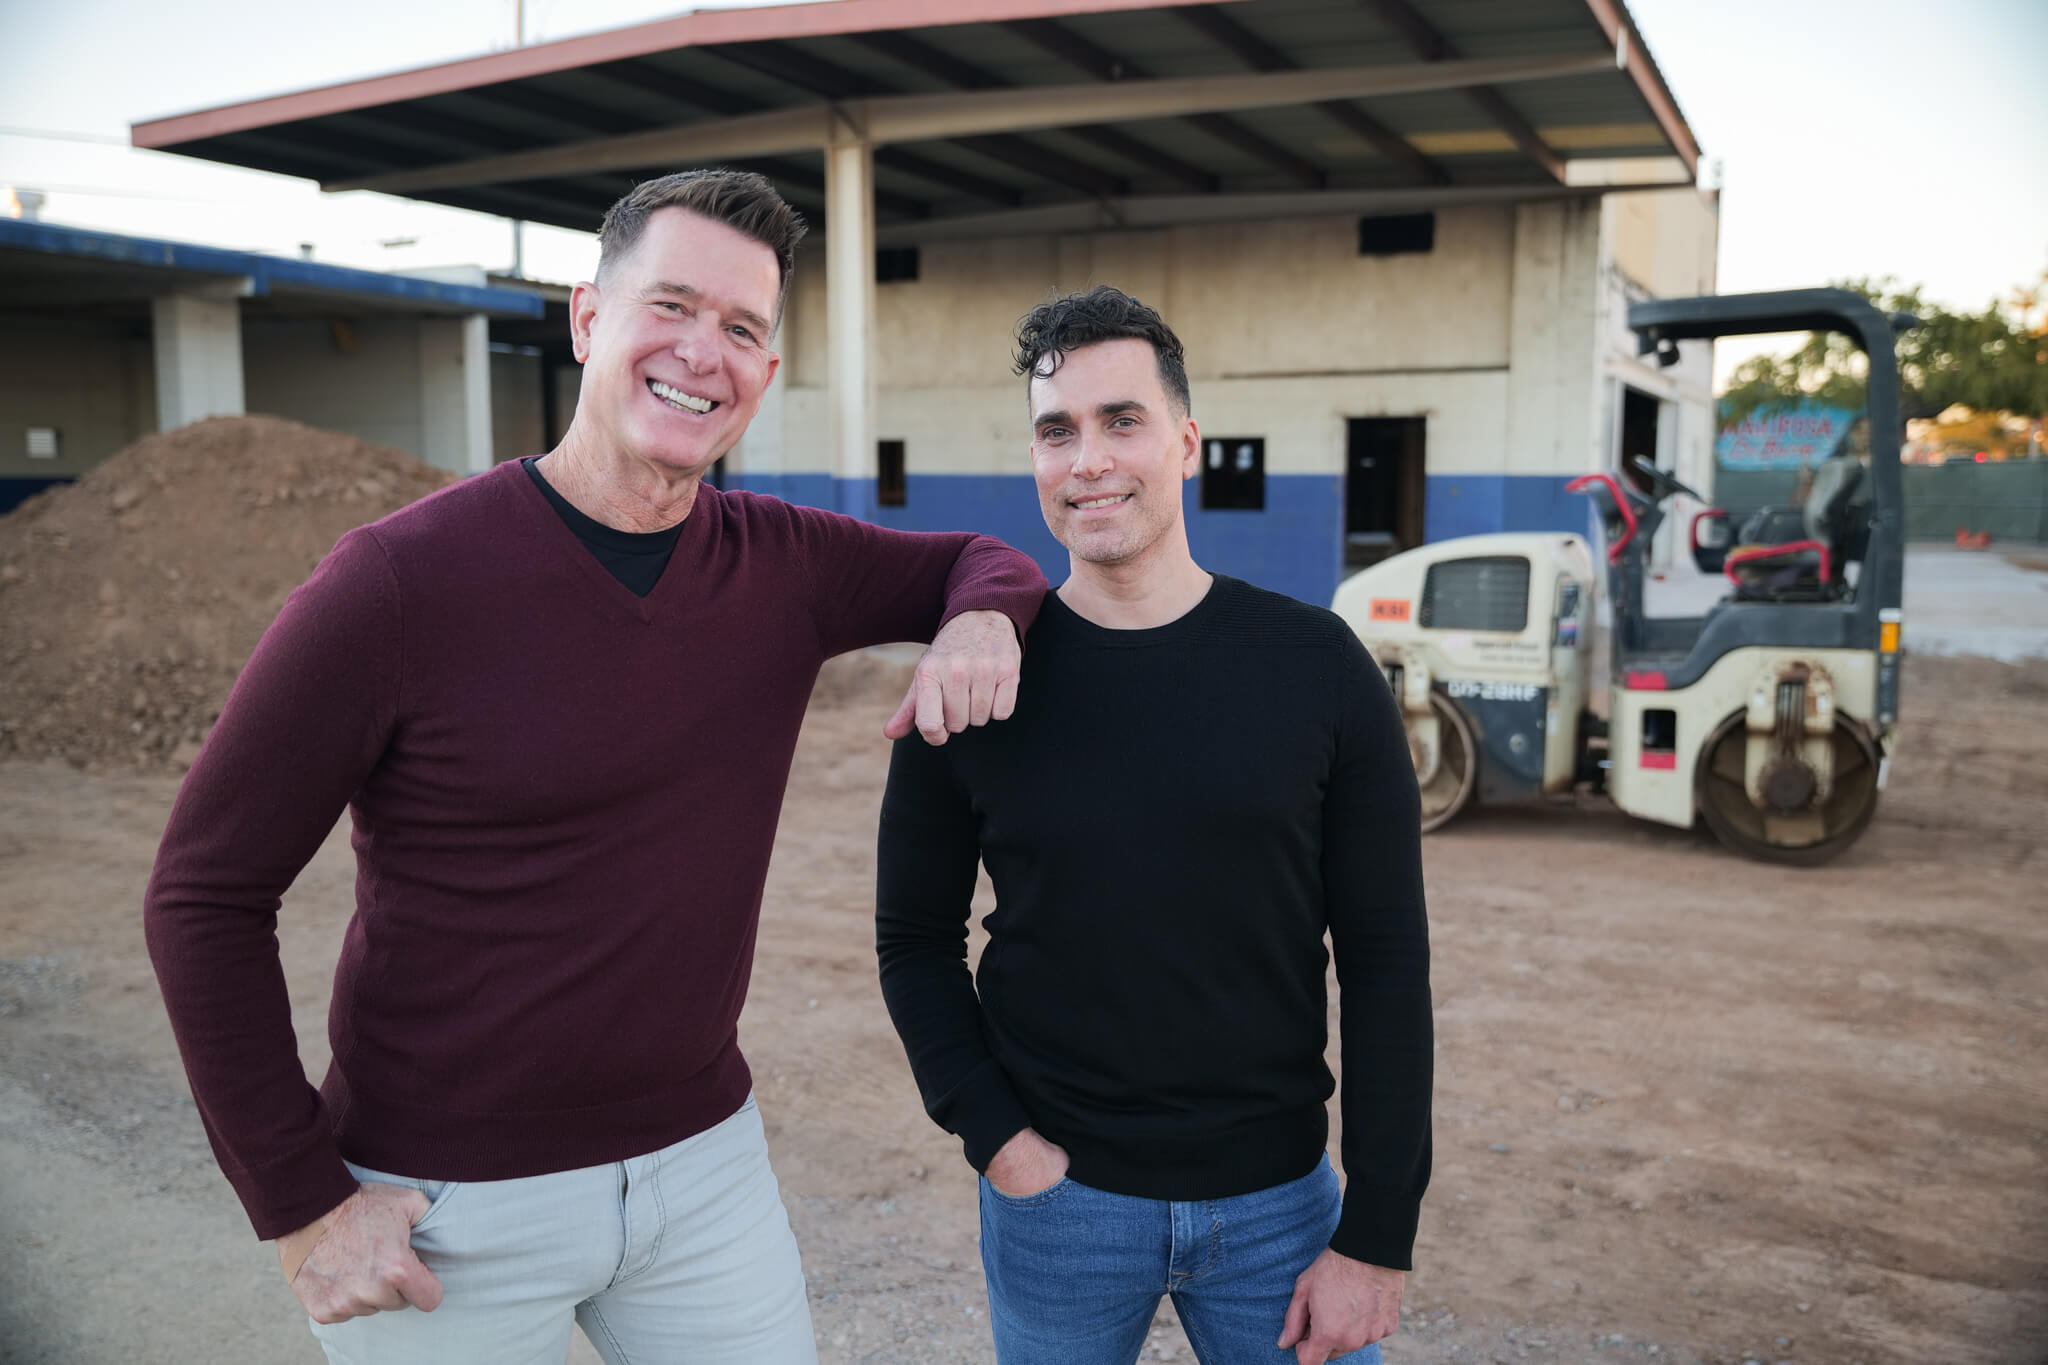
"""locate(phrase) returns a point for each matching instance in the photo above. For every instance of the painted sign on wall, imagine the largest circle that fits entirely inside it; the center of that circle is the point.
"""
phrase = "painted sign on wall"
(1783, 438)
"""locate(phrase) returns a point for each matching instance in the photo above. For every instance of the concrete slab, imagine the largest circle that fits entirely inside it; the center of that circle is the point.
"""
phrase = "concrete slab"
(1976, 602)
(1957, 601)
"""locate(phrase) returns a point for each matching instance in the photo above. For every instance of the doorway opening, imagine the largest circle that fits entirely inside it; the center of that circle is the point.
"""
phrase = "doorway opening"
(1383, 487)
(1638, 435)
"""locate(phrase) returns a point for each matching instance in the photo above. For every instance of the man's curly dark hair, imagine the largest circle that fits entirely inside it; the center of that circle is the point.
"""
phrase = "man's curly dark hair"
(1049, 332)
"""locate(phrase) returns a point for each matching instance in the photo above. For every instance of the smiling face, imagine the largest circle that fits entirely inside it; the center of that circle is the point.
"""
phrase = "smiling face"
(1109, 450)
(674, 342)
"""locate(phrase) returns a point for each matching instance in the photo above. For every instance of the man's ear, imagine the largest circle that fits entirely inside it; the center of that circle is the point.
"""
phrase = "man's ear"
(1191, 455)
(583, 300)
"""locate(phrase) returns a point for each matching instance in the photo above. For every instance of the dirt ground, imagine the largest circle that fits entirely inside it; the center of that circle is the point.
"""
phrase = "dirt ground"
(1688, 1108)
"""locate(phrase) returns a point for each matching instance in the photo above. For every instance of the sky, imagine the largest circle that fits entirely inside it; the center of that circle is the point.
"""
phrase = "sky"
(1851, 138)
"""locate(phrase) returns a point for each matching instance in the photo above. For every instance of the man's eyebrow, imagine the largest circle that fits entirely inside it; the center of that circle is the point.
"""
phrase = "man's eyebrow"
(1119, 405)
(1058, 416)
(690, 291)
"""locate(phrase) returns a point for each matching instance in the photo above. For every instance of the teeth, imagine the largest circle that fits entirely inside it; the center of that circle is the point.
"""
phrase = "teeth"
(676, 398)
(1101, 502)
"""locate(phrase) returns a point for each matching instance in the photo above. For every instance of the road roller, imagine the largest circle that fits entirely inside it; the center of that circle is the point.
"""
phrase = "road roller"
(1772, 718)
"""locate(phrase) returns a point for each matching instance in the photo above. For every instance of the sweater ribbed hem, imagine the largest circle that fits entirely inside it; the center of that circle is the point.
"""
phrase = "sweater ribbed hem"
(1377, 1226)
(439, 1144)
(1243, 1159)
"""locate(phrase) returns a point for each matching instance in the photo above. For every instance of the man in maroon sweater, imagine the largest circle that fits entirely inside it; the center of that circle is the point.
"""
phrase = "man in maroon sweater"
(559, 701)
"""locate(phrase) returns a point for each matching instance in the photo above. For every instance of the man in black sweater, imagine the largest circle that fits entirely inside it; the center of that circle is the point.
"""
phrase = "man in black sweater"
(1201, 778)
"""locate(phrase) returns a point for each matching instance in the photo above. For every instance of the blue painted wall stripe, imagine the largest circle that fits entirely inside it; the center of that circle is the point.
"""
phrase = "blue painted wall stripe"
(15, 491)
(1295, 545)
(1480, 504)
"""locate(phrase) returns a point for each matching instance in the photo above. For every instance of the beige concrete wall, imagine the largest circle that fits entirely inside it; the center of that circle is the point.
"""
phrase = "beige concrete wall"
(1294, 298)
(93, 381)
(1666, 241)
(422, 385)
(1274, 316)
(986, 430)
(1287, 298)
(1554, 376)
(361, 377)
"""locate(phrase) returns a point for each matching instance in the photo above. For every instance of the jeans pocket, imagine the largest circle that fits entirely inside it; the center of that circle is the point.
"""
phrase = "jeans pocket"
(1027, 1201)
(438, 1192)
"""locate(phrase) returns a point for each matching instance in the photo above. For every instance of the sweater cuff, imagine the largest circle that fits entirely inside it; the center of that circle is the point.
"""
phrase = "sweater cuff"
(986, 1113)
(287, 1195)
(1377, 1227)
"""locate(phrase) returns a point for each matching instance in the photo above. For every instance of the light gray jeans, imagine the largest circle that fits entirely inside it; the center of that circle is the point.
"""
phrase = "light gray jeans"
(680, 1257)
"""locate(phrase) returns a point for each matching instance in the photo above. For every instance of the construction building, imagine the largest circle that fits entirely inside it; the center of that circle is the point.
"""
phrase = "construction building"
(1398, 237)
(106, 338)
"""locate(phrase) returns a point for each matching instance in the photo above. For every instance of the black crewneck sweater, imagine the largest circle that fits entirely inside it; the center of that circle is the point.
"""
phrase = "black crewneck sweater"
(1172, 820)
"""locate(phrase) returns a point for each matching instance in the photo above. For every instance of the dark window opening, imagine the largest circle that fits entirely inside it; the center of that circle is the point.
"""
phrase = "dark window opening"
(1638, 435)
(1234, 474)
(1383, 487)
(1660, 732)
(890, 487)
(894, 264)
(1398, 234)
(1489, 592)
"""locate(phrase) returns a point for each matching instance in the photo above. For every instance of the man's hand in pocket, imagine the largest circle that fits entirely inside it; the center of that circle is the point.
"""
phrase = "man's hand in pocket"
(357, 1258)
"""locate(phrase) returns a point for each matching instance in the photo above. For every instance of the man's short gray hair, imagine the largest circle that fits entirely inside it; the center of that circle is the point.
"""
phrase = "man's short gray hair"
(742, 200)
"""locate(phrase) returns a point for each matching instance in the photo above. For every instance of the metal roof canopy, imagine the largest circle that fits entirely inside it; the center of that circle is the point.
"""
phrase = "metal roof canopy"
(1032, 115)
(904, 120)
(47, 268)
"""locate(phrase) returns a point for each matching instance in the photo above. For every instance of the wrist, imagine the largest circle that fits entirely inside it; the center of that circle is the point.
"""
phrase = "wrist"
(296, 1247)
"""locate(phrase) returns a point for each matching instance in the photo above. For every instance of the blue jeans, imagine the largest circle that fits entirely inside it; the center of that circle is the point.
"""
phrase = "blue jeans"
(1075, 1274)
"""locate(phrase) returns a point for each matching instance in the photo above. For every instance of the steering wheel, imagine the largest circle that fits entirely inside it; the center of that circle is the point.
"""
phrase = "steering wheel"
(1661, 484)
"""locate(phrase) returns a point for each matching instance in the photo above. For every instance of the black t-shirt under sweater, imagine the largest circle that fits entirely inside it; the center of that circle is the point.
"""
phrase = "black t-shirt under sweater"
(635, 558)
(1172, 820)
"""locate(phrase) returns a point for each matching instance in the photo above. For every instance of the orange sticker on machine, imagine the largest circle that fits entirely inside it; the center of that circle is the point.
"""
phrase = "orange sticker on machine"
(1390, 609)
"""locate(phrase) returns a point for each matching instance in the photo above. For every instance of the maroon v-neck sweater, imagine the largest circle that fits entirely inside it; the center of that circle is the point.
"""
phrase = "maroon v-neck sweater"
(564, 798)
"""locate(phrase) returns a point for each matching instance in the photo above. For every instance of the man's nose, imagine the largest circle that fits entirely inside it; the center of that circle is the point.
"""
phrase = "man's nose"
(1091, 458)
(698, 345)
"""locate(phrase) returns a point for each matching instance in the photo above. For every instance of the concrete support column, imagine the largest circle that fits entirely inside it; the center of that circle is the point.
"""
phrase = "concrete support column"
(455, 393)
(198, 341)
(850, 314)
(1557, 388)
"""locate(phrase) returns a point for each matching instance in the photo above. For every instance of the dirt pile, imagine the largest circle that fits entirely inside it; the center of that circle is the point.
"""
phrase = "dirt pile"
(130, 599)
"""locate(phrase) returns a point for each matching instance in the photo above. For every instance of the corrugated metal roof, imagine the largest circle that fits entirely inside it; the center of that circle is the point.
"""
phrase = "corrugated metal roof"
(699, 70)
